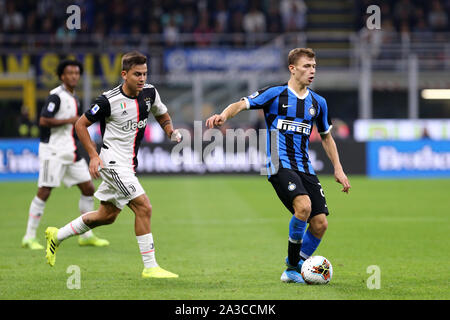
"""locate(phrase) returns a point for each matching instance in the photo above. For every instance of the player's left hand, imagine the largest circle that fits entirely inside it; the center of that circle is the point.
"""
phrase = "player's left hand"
(176, 136)
(340, 177)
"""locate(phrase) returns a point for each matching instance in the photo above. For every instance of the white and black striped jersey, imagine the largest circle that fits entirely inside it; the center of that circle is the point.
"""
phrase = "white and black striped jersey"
(60, 142)
(123, 120)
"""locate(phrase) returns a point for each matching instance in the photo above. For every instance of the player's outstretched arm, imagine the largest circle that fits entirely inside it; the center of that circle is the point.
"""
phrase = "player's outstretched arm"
(229, 112)
(83, 134)
(165, 121)
(330, 148)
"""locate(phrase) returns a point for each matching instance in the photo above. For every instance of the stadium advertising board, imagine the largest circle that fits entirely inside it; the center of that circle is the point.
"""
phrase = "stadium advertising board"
(221, 60)
(156, 159)
(422, 158)
(19, 159)
(398, 129)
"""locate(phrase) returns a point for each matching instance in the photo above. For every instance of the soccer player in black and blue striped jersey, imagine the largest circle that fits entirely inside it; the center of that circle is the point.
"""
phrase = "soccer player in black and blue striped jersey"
(291, 109)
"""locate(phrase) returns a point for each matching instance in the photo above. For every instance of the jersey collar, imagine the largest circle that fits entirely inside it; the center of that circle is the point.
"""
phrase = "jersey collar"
(129, 97)
(65, 89)
(299, 97)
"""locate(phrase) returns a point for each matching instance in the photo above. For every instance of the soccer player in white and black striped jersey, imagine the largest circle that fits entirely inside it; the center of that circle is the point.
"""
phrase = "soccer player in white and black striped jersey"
(59, 159)
(122, 113)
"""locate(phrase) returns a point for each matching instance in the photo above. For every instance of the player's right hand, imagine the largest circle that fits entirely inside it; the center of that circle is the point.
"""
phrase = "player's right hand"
(215, 120)
(94, 166)
(341, 177)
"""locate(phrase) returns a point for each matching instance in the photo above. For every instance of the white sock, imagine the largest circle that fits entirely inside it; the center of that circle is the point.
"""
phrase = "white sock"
(86, 204)
(73, 228)
(147, 249)
(34, 218)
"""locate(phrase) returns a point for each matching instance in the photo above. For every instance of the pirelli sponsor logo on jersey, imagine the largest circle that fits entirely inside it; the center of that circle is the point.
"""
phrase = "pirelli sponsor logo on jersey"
(294, 126)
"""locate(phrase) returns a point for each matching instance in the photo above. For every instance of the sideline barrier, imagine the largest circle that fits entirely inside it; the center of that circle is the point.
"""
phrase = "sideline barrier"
(378, 159)
(19, 159)
(408, 159)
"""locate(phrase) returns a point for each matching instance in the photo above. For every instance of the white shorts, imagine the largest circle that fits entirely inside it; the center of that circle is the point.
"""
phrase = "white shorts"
(52, 172)
(118, 187)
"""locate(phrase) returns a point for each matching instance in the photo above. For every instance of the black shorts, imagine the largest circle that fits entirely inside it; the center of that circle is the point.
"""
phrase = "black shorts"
(290, 183)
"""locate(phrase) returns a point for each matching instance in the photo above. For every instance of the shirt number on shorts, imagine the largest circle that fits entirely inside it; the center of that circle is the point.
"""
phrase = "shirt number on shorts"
(321, 190)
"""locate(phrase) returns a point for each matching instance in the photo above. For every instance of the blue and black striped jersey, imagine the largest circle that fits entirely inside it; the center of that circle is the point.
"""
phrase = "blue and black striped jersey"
(293, 118)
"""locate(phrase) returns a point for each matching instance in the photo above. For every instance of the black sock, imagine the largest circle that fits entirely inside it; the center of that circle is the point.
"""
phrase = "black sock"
(294, 253)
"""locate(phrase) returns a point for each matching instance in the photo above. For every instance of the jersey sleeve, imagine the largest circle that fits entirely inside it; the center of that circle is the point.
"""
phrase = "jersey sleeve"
(323, 121)
(51, 106)
(99, 110)
(158, 107)
(261, 98)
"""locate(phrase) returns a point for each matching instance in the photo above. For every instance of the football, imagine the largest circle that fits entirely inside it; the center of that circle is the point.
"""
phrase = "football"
(317, 270)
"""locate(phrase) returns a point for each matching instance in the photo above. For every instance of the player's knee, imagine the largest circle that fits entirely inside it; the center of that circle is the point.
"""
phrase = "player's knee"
(90, 190)
(302, 212)
(319, 225)
(44, 193)
(144, 211)
(323, 226)
(87, 189)
(302, 209)
(147, 211)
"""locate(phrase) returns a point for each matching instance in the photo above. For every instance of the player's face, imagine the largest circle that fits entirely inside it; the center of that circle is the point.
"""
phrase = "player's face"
(71, 76)
(304, 70)
(136, 77)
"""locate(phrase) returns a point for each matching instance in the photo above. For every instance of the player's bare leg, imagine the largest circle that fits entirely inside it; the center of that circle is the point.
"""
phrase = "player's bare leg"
(318, 225)
(43, 193)
(106, 214)
(86, 204)
(143, 211)
(87, 188)
(35, 213)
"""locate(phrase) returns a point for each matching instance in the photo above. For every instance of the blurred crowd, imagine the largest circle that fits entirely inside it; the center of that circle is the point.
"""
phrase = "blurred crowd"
(407, 16)
(195, 21)
(169, 18)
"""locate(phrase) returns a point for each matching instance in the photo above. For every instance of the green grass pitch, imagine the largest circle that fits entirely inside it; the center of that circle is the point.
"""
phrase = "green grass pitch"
(226, 236)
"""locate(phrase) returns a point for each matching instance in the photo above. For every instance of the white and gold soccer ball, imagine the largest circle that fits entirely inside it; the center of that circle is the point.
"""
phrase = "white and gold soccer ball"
(317, 270)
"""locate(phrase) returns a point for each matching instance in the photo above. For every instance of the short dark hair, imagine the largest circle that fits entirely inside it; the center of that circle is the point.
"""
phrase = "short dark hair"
(63, 64)
(296, 53)
(132, 58)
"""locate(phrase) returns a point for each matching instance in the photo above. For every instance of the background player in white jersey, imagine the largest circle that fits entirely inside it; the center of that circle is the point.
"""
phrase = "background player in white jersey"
(59, 158)
(123, 113)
